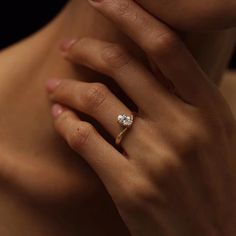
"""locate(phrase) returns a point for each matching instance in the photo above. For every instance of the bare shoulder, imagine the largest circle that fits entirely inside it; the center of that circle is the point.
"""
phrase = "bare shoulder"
(228, 88)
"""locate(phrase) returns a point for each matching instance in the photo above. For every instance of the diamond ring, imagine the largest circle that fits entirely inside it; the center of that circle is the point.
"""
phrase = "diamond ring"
(125, 122)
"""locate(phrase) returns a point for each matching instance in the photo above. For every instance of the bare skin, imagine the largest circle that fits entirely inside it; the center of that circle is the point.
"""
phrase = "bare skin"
(227, 87)
(46, 189)
(178, 169)
(198, 15)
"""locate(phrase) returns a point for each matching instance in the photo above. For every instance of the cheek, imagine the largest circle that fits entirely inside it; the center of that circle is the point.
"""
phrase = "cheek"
(191, 14)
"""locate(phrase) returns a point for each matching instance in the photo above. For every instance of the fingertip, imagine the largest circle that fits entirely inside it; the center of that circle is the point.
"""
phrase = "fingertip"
(57, 110)
(67, 44)
(52, 84)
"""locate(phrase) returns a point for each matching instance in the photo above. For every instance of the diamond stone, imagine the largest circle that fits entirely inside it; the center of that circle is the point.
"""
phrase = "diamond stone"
(125, 120)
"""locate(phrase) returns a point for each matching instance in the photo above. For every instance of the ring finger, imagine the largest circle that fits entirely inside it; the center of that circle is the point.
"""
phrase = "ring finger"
(94, 99)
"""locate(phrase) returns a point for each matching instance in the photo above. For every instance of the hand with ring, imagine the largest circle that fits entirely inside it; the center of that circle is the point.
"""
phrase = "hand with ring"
(178, 176)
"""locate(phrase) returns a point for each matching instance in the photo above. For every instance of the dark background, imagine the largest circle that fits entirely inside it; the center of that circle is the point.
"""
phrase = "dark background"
(21, 18)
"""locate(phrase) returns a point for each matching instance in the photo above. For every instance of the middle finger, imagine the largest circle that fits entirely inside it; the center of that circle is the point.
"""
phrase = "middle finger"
(133, 77)
(162, 45)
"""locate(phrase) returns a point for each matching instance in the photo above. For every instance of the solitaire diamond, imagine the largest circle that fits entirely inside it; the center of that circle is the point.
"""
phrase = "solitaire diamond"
(125, 120)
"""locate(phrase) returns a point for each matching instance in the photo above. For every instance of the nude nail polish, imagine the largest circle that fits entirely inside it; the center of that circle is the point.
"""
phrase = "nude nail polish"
(57, 110)
(52, 84)
(67, 44)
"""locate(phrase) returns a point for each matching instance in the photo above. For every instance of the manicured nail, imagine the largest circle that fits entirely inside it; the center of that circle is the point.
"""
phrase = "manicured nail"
(67, 44)
(57, 110)
(52, 84)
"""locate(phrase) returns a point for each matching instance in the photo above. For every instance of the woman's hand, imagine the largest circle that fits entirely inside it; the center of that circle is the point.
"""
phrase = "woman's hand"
(178, 173)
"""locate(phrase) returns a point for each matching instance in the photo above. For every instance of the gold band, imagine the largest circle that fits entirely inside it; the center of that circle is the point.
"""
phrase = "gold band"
(126, 123)
(121, 135)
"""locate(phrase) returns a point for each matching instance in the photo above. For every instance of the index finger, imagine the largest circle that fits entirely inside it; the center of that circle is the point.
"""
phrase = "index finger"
(161, 44)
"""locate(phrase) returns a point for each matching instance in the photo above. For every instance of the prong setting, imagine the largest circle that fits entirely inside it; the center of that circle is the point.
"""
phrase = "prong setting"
(125, 120)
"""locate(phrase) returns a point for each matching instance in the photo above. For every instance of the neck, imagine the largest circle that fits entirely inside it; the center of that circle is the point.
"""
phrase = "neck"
(79, 19)
(37, 58)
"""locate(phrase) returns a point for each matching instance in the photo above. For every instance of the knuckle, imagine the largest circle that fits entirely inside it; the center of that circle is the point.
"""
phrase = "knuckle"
(115, 56)
(95, 96)
(187, 139)
(162, 44)
(139, 194)
(170, 167)
(193, 133)
(133, 197)
(121, 7)
(79, 137)
(168, 164)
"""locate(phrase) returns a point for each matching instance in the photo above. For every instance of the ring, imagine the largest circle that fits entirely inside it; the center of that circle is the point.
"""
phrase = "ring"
(126, 123)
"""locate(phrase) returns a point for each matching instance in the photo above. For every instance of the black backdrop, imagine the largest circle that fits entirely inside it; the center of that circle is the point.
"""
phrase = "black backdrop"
(20, 18)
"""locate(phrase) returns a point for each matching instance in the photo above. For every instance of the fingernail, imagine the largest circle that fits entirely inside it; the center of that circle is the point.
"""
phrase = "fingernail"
(52, 84)
(57, 110)
(67, 44)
